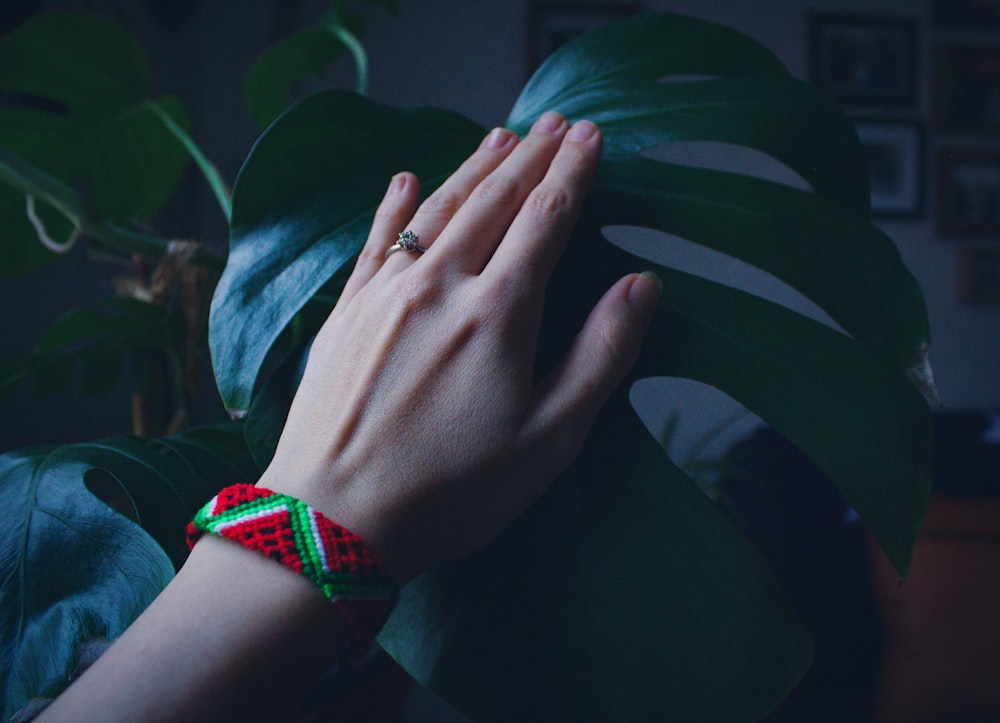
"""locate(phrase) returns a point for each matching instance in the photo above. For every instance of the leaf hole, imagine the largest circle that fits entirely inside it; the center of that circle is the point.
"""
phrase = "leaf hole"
(727, 157)
(678, 253)
(696, 424)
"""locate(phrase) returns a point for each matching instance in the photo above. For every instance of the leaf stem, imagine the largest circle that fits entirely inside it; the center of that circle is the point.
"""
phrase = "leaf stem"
(42, 233)
(33, 181)
(357, 50)
(211, 173)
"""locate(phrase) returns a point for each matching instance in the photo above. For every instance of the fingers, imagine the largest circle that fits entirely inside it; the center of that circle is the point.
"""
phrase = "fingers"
(537, 236)
(441, 206)
(470, 239)
(396, 211)
(568, 401)
(393, 213)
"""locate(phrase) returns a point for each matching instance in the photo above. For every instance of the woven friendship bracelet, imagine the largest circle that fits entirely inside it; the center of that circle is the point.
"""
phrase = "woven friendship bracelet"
(291, 532)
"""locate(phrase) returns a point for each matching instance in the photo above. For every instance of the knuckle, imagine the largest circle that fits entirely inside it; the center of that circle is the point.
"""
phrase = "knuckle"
(499, 190)
(441, 205)
(549, 203)
(387, 212)
(370, 254)
(417, 293)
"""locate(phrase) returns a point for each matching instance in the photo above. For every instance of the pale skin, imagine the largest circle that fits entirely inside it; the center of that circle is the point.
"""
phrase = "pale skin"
(417, 425)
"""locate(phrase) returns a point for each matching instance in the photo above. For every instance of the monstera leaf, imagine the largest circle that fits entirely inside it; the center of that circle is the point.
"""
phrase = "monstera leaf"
(78, 107)
(75, 570)
(624, 593)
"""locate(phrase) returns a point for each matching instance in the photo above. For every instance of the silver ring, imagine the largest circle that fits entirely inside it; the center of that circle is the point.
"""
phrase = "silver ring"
(407, 242)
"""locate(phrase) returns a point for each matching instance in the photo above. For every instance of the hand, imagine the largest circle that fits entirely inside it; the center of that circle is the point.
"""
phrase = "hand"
(417, 423)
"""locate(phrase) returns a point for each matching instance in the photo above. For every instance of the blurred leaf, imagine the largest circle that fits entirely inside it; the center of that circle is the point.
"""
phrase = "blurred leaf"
(96, 337)
(87, 62)
(71, 569)
(20, 249)
(286, 63)
(136, 162)
(307, 52)
(58, 207)
(302, 206)
(79, 84)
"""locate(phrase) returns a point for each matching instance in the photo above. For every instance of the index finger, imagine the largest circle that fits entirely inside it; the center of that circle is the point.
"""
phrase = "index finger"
(535, 240)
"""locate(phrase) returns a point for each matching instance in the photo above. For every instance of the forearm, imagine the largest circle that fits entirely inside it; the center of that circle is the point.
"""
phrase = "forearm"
(234, 636)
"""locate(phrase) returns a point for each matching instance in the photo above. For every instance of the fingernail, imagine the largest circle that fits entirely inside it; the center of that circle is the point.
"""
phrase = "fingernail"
(581, 131)
(397, 183)
(497, 138)
(549, 122)
(645, 292)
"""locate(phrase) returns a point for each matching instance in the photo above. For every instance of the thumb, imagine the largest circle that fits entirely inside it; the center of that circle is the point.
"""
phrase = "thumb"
(570, 398)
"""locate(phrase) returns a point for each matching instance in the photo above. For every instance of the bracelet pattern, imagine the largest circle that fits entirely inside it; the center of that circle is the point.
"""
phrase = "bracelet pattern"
(298, 536)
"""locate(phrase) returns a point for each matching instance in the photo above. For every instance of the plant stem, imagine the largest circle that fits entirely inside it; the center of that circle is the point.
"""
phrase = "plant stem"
(32, 181)
(357, 50)
(211, 173)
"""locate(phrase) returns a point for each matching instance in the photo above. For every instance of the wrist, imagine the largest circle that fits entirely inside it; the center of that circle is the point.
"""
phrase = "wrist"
(289, 531)
(346, 503)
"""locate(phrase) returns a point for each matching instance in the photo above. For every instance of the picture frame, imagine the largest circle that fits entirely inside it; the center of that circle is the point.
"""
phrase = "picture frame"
(979, 275)
(865, 60)
(966, 15)
(551, 23)
(895, 153)
(968, 192)
(967, 89)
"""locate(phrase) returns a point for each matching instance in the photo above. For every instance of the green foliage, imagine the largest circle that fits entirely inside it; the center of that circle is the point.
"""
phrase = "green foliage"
(73, 569)
(81, 114)
(305, 53)
(624, 592)
(625, 573)
(302, 206)
(97, 338)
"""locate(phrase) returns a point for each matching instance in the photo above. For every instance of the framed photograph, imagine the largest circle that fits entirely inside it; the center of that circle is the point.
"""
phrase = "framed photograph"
(967, 89)
(968, 192)
(895, 152)
(551, 24)
(965, 14)
(864, 60)
(979, 275)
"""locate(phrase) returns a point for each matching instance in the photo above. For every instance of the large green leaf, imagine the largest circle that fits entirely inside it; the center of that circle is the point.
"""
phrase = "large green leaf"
(302, 206)
(624, 593)
(859, 419)
(840, 260)
(611, 75)
(71, 568)
(81, 113)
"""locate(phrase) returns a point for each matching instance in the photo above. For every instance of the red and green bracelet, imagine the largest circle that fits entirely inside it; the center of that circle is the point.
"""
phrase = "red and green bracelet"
(291, 532)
